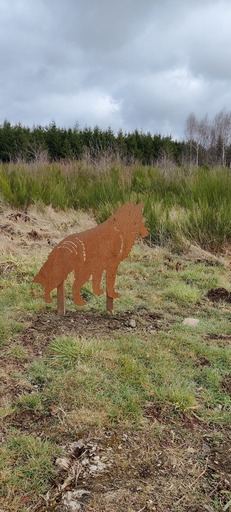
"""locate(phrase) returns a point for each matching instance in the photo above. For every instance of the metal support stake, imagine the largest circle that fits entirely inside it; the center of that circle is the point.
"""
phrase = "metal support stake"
(61, 299)
(109, 304)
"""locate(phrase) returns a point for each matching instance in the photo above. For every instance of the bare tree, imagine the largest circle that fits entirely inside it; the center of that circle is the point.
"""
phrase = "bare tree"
(190, 131)
(222, 133)
(38, 151)
(198, 135)
(204, 132)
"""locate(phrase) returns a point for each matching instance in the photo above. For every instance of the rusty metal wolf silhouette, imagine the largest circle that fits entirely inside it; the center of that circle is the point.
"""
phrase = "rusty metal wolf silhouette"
(90, 253)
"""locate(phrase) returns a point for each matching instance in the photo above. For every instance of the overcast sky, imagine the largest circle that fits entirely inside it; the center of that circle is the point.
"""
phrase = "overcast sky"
(127, 64)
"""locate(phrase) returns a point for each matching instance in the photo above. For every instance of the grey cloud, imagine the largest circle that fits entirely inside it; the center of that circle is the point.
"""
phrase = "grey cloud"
(127, 64)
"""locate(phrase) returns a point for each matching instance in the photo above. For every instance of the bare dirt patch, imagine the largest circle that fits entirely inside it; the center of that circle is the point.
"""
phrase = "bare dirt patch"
(47, 325)
(219, 294)
(219, 339)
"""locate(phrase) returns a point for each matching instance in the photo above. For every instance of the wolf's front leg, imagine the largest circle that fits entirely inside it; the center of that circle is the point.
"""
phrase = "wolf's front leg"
(47, 296)
(110, 282)
(77, 285)
(96, 281)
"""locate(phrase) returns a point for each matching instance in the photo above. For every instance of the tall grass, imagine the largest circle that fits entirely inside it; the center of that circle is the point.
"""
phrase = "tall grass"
(179, 205)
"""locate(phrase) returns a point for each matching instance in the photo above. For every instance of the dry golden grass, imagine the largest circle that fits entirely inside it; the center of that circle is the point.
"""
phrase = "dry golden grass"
(23, 233)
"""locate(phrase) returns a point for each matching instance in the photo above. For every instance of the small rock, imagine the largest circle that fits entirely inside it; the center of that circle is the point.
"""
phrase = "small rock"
(77, 444)
(70, 504)
(63, 463)
(85, 461)
(71, 500)
(93, 448)
(77, 448)
(132, 323)
(93, 467)
(150, 505)
(80, 493)
(190, 449)
(193, 322)
(101, 466)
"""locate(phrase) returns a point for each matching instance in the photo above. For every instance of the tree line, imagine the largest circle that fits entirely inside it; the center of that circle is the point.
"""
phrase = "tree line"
(205, 143)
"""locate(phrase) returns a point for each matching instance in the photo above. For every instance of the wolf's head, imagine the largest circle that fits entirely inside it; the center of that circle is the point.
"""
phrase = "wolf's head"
(129, 219)
(138, 228)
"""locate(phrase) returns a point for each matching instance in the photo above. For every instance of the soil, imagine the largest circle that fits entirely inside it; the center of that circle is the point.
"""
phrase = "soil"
(219, 294)
(86, 324)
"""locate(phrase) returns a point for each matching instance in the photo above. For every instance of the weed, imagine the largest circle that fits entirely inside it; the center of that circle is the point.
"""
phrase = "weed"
(182, 293)
(17, 351)
(30, 402)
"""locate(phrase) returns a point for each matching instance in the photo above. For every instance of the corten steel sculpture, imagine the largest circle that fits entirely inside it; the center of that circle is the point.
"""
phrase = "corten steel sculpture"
(90, 253)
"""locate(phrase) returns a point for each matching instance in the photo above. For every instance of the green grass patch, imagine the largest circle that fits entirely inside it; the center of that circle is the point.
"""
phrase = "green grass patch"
(26, 465)
(118, 376)
(182, 293)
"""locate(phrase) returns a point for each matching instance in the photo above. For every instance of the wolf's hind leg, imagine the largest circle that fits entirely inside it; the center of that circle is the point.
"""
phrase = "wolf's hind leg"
(78, 300)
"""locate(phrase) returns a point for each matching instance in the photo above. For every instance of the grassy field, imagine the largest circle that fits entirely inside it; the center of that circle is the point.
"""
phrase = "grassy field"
(181, 205)
(122, 412)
